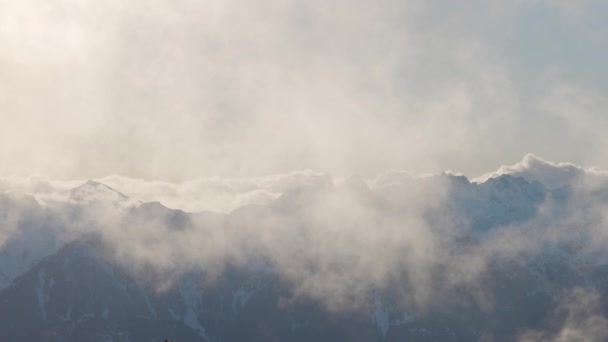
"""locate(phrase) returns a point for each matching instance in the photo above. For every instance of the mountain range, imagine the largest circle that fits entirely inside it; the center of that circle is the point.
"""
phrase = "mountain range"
(515, 255)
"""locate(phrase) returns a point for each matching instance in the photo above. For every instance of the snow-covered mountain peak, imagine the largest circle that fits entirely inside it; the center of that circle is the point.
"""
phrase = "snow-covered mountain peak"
(552, 175)
(95, 192)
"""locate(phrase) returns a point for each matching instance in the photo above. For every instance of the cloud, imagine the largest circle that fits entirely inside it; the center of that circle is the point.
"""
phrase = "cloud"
(178, 90)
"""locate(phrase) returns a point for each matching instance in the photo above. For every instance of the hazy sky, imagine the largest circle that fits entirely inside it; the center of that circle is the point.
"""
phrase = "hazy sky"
(180, 89)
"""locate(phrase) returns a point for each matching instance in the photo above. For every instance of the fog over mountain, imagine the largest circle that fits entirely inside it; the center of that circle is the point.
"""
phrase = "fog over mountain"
(284, 170)
(513, 256)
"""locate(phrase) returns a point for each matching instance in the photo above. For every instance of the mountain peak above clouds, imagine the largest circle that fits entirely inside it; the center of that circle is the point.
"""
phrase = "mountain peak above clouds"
(552, 175)
(96, 192)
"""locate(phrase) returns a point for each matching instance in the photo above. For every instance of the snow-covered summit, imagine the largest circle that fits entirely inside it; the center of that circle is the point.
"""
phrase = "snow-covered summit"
(93, 192)
(551, 174)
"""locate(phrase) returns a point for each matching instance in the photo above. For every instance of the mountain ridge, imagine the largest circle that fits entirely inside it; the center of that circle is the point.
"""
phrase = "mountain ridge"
(417, 258)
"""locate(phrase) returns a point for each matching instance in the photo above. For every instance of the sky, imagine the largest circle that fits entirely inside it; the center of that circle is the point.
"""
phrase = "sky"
(181, 89)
